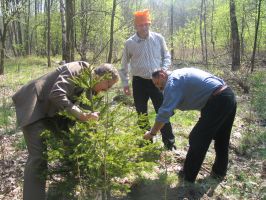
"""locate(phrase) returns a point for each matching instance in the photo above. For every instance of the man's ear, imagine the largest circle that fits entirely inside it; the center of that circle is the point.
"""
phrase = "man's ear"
(162, 74)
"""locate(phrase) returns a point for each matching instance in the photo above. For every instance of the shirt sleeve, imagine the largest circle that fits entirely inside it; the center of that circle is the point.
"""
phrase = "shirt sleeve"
(166, 57)
(172, 97)
(125, 66)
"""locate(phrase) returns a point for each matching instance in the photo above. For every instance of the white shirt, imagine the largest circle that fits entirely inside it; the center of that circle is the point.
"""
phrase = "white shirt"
(144, 56)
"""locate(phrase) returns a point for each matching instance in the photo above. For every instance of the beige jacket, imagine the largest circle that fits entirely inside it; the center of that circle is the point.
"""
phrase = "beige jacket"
(47, 95)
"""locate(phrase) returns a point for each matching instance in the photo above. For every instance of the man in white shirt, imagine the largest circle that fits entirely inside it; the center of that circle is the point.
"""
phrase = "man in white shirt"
(146, 52)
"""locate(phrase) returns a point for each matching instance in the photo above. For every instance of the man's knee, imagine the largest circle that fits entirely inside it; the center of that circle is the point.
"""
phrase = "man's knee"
(36, 164)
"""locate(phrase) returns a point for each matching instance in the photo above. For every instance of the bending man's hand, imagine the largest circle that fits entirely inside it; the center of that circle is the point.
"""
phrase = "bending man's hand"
(127, 91)
(156, 127)
(89, 116)
(148, 135)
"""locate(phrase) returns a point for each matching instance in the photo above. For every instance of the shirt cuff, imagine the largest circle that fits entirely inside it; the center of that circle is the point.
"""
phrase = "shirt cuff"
(125, 83)
(75, 111)
(165, 67)
(163, 119)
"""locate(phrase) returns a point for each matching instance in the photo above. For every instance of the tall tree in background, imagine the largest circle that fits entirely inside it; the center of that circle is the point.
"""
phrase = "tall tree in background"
(256, 35)
(243, 22)
(49, 33)
(109, 60)
(9, 13)
(16, 31)
(201, 31)
(82, 44)
(172, 29)
(205, 33)
(27, 29)
(36, 4)
(63, 28)
(212, 34)
(70, 13)
(27, 32)
(234, 38)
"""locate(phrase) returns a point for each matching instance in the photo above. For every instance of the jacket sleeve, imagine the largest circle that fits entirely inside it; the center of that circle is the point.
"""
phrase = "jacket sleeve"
(62, 92)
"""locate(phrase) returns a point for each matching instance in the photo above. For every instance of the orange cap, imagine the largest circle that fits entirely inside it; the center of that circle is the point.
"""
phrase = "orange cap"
(142, 17)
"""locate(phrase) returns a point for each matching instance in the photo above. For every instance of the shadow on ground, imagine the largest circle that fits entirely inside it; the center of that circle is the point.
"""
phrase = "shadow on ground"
(154, 190)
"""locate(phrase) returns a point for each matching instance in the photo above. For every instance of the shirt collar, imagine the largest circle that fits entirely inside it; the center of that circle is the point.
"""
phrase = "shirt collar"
(139, 39)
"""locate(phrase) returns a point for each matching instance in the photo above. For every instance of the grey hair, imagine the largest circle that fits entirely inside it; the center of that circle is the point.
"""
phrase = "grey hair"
(107, 68)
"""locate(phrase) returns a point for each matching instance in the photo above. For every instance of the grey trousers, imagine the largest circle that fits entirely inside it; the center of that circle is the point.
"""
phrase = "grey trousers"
(34, 180)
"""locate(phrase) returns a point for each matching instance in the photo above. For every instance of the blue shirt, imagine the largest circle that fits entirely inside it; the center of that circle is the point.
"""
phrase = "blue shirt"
(187, 89)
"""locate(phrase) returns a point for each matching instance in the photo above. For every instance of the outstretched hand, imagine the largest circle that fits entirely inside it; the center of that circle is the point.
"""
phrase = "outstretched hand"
(127, 91)
(89, 116)
(148, 135)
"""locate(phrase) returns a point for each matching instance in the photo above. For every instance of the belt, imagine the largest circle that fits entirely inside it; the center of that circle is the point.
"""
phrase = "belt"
(219, 90)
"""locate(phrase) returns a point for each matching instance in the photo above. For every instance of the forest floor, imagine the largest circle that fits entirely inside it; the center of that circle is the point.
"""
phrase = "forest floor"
(246, 177)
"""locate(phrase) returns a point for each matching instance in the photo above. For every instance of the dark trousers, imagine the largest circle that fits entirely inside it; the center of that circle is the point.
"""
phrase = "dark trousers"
(143, 89)
(36, 166)
(215, 123)
(34, 182)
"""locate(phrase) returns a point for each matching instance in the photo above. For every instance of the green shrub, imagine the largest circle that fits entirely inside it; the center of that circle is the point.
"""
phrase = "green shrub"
(93, 156)
(258, 92)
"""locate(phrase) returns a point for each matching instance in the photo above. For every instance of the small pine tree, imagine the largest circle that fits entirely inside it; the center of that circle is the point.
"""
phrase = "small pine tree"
(92, 156)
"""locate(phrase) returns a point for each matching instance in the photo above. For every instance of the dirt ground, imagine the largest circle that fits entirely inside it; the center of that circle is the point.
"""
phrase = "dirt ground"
(246, 177)
(13, 160)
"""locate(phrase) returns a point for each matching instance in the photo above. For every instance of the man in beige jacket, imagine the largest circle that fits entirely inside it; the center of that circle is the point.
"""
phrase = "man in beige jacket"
(38, 102)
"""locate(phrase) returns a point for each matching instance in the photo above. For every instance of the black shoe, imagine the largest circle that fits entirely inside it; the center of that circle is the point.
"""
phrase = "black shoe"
(171, 147)
(181, 176)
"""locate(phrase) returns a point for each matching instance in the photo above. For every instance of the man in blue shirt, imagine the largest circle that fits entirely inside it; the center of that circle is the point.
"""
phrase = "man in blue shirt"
(194, 89)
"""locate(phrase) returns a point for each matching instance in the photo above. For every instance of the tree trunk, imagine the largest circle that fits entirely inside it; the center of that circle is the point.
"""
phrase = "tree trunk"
(48, 33)
(3, 36)
(243, 21)
(256, 36)
(69, 30)
(20, 40)
(194, 42)
(27, 29)
(109, 60)
(234, 38)
(3, 42)
(83, 46)
(212, 36)
(63, 27)
(11, 40)
(201, 34)
(172, 30)
(36, 11)
(19, 32)
(205, 35)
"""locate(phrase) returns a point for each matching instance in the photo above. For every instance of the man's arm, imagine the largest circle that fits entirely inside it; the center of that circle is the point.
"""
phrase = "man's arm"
(124, 70)
(166, 57)
(63, 89)
(172, 97)
(82, 116)
(156, 127)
